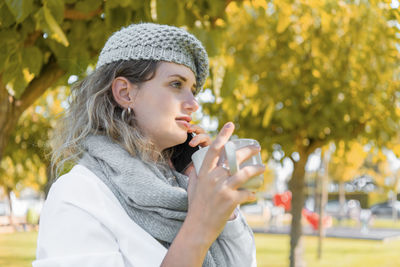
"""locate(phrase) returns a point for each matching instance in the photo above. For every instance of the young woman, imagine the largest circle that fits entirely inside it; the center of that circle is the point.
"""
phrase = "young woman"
(124, 203)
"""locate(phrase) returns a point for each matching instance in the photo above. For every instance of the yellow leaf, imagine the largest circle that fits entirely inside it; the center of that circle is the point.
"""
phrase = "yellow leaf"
(260, 3)
(283, 23)
(27, 75)
(284, 16)
(57, 33)
(268, 114)
(316, 73)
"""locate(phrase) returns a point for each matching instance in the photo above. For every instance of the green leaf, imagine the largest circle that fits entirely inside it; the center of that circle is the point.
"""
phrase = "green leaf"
(19, 84)
(20, 8)
(211, 39)
(118, 17)
(6, 17)
(229, 83)
(135, 5)
(56, 8)
(164, 14)
(78, 32)
(217, 8)
(125, 3)
(119, 3)
(145, 12)
(32, 59)
(40, 22)
(8, 46)
(97, 38)
(13, 74)
(12, 66)
(60, 52)
(3, 57)
(89, 5)
(56, 32)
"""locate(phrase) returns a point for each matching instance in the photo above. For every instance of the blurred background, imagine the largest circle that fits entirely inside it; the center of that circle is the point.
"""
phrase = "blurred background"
(316, 82)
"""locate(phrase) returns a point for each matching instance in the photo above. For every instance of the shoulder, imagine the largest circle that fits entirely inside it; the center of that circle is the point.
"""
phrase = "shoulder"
(79, 180)
(80, 188)
(79, 174)
(82, 216)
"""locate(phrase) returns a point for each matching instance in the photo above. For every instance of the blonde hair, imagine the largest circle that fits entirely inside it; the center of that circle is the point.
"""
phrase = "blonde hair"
(93, 111)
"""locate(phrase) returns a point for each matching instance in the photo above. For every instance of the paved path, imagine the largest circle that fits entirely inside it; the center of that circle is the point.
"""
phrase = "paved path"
(340, 232)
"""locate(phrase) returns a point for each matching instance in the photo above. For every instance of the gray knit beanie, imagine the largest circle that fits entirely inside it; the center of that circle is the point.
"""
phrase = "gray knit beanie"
(151, 41)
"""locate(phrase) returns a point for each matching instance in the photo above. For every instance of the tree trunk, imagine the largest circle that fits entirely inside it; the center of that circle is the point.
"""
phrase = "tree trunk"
(10, 216)
(296, 185)
(8, 117)
(324, 198)
(11, 108)
(49, 181)
(394, 210)
(342, 201)
(317, 193)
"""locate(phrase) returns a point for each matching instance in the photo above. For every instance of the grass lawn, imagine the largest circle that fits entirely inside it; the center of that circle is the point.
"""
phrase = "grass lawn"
(18, 250)
(273, 250)
(375, 223)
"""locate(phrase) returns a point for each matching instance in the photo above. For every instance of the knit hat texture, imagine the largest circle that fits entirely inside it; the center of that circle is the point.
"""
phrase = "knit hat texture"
(149, 41)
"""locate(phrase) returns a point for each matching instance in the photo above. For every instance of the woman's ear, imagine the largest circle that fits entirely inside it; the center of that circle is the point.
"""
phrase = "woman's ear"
(122, 90)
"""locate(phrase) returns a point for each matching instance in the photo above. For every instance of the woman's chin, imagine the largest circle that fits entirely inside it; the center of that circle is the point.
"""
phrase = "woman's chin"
(178, 139)
(183, 138)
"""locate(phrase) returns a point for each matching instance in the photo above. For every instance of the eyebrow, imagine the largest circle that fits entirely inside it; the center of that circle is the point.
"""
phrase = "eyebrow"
(183, 79)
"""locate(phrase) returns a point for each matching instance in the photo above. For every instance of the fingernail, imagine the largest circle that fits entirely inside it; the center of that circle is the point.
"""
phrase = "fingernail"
(228, 125)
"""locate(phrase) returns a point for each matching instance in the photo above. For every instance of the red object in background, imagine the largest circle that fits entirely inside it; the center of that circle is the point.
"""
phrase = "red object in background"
(313, 219)
(284, 200)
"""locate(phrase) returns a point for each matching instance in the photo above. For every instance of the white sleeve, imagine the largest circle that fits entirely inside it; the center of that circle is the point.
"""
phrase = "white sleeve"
(237, 240)
(70, 236)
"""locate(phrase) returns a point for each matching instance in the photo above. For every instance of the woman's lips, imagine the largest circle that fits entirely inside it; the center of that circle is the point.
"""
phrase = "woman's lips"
(184, 118)
(184, 123)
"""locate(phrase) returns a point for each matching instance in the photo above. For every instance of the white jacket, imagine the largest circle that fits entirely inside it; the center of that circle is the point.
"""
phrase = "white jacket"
(83, 224)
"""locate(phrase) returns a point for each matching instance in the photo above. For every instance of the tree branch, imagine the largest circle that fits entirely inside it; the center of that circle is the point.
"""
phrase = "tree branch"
(77, 15)
(31, 39)
(6, 105)
(48, 76)
(314, 144)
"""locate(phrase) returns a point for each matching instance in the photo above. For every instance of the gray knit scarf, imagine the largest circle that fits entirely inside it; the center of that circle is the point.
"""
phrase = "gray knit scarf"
(155, 200)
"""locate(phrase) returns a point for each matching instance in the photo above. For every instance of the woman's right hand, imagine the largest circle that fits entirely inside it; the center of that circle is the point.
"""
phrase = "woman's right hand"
(214, 193)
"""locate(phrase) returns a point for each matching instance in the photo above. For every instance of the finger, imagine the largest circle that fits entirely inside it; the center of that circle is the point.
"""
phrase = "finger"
(221, 172)
(189, 170)
(200, 139)
(244, 196)
(219, 175)
(194, 128)
(245, 174)
(245, 153)
(212, 156)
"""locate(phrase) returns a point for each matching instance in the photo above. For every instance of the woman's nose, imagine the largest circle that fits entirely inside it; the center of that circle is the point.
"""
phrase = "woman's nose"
(191, 104)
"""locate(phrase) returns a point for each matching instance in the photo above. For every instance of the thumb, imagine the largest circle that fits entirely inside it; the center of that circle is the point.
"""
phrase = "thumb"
(191, 173)
(212, 156)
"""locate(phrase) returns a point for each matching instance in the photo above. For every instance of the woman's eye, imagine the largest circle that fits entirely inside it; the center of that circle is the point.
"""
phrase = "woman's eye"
(176, 84)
